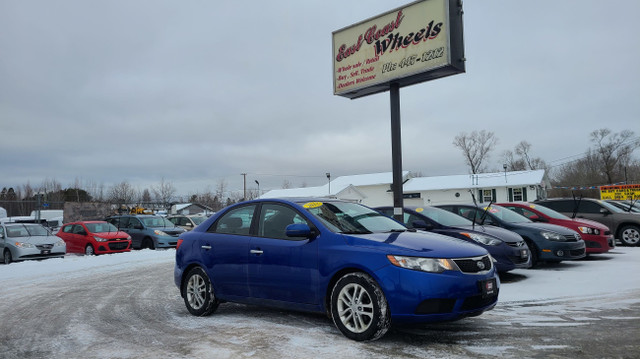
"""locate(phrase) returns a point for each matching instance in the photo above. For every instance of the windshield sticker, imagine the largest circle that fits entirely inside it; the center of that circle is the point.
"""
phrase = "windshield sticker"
(532, 206)
(419, 209)
(491, 209)
(312, 205)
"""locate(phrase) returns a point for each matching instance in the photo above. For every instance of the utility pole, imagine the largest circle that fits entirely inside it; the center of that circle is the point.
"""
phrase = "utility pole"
(244, 180)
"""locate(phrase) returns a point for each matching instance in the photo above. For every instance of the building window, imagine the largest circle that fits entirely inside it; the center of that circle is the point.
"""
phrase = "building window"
(487, 195)
(517, 194)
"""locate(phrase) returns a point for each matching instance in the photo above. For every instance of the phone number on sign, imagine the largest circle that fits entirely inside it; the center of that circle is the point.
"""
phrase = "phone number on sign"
(413, 59)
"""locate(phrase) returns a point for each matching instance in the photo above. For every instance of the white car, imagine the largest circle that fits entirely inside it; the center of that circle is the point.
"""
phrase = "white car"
(21, 241)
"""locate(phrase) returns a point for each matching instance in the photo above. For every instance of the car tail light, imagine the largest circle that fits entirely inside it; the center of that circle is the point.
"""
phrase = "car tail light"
(179, 243)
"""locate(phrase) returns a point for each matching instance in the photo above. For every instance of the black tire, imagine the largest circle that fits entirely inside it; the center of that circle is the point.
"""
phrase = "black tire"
(629, 235)
(534, 251)
(89, 251)
(197, 292)
(6, 257)
(147, 243)
(359, 308)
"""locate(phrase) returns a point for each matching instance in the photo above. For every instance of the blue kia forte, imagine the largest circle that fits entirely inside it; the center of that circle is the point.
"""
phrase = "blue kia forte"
(365, 270)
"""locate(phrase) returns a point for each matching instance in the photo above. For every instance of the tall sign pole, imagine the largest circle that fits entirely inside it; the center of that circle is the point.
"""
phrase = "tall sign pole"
(418, 42)
(396, 153)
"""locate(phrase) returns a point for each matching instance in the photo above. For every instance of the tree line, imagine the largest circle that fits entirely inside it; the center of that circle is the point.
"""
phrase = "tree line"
(609, 160)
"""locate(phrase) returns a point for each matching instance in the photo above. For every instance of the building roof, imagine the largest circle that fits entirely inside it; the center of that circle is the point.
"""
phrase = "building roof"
(481, 180)
(338, 185)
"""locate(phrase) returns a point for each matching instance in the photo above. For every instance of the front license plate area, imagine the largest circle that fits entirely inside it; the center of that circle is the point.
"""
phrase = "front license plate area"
(488, 287)
(524, 253)
(45, 252)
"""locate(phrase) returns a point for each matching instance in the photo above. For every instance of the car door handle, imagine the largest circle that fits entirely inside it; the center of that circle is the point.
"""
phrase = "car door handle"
(206, 247)
(256, 251)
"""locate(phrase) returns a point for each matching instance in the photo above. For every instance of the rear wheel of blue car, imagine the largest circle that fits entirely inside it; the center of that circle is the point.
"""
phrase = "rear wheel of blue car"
(359, 308)
(198, 293)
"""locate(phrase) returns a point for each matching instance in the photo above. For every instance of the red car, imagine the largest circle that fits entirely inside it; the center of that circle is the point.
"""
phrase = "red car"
(597, 237)
(94, 237)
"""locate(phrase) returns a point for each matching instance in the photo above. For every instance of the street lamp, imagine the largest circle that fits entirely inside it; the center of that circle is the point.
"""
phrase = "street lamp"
(504, 165)
(258, 183)
(329, 179)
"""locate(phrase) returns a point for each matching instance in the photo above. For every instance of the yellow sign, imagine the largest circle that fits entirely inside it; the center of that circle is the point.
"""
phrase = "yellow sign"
(620, 192)
(312, 205)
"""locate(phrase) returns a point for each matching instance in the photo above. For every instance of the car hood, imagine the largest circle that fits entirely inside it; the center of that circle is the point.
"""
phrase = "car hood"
(581, 222)
(416, 244)
(111, 235)
(546, 227)
(504, 234)
(36, 239)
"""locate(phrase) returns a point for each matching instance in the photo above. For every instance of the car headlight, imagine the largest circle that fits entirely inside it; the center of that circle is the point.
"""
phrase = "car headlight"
(589, 230)
(159, 232)
(553, 236)
(100, 239)
(481, 238)
(59, 243)
(431, 265)
(24, 245)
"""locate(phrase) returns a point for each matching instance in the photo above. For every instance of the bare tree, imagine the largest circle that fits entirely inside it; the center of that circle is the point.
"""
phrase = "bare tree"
(523, 161)
(164, 191)
(146, 196)
(122, 193)
(286, 184)
(475, 148)
(614, 151)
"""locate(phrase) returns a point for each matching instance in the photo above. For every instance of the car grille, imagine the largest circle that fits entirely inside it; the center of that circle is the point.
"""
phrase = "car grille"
(118, 245)
(516, 244)
(572, 237)
(518, 259)
(577, 252)
(44, 247)
(474, 265)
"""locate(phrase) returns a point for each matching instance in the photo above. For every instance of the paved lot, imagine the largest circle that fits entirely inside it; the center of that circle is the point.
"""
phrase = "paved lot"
(123, 312)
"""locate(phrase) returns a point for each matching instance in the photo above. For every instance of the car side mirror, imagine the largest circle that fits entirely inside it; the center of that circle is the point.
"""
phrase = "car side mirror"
(537, 218)
(421, 224)
(138, 226)
(82, 233)
(300, 230)
(605, 211)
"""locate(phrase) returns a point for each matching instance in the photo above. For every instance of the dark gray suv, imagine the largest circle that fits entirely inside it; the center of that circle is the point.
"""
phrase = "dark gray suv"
(625, 226)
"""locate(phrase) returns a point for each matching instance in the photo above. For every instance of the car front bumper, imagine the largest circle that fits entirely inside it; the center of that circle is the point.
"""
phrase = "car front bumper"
(419, 297)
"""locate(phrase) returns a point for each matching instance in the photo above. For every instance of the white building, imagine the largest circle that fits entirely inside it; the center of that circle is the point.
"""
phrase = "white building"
(371, 189)
(486, 187)
(375, 189)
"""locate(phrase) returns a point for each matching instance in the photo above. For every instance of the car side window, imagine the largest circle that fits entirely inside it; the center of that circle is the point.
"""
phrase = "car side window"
(67, 229)
(274, 219)
(589, 207)
(235, 221)
(410, 218)
(77, 229)
(133, 222)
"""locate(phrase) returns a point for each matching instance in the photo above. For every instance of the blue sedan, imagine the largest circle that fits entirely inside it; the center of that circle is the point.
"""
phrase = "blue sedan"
(365, 270)
(508, 248)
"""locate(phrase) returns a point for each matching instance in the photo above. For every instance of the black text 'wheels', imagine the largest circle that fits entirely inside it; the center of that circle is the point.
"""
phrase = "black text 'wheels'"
(359, 308)
(198, 293)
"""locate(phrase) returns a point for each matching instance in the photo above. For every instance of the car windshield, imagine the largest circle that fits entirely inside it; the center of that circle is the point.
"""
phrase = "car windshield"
(157, 222)
(548, 212)
(610, 207)
(26, 230)
(444, 217)
(198, 219)
(101, 227)
(506, 215)
(352, 218)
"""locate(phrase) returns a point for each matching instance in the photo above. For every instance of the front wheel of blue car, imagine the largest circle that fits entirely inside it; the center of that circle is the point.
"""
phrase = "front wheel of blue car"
(359, 308)
(198, 293)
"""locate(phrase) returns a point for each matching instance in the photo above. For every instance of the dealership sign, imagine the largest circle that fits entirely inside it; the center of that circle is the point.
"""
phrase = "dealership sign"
(415, 43)
(620, 192)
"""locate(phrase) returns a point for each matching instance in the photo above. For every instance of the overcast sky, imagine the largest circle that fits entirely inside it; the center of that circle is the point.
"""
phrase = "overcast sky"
(198, 92)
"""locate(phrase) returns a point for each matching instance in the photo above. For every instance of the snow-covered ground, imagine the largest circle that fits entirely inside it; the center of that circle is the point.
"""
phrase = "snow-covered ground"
(126, 306)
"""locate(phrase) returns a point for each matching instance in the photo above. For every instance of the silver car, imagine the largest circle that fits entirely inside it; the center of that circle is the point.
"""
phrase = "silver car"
(20, 241)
